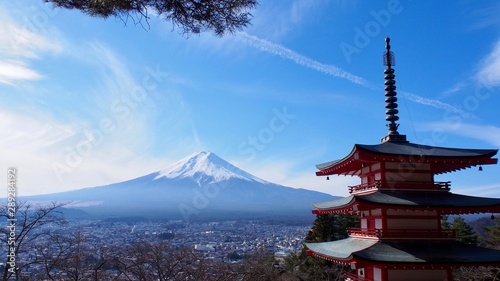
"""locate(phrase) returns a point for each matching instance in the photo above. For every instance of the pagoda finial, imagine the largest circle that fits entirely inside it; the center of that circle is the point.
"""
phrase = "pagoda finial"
(388, 55)
(390, 97)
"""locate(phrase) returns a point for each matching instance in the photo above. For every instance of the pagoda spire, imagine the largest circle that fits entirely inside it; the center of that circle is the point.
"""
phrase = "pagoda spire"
(390, 97)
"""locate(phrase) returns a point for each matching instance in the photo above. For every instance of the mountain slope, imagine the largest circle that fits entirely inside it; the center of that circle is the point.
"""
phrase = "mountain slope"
(201, 185)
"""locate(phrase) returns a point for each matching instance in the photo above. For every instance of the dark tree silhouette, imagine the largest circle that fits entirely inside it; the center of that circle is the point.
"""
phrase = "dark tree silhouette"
(259, 266)
(492, 238)
(464, 232)
(331, 227)
(325, 228)
(193, 16)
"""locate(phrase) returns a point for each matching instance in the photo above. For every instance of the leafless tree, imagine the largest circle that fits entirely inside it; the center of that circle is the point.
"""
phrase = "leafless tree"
(51, 255)
(71, 257)
(160, 261)
(480, 273)
(28, 227)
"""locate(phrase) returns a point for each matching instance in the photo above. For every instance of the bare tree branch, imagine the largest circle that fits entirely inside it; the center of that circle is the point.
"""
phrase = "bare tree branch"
(29, 224)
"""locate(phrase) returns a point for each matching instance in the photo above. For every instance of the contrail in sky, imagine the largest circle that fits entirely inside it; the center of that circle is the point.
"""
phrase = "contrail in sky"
(436, 104)
(279, 50)
(284, 52)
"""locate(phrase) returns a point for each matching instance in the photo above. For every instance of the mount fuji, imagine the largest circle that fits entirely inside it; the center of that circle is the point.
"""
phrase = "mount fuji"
(200, 186)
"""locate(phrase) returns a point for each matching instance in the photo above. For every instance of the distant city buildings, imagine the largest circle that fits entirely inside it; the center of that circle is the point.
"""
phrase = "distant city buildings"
(215, 240)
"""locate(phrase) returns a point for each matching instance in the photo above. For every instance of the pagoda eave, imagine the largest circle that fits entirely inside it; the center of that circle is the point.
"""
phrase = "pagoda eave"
(339, 206)
(333, 211)
(445, 203)
(328, 258)
(409, 265)
(444, 161)
(415, 254)
(352, 167)
(348, 166)
(441, 210)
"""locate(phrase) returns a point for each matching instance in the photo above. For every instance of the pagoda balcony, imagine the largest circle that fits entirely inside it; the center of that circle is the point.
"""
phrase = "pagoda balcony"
(407, 185)
(401, 233)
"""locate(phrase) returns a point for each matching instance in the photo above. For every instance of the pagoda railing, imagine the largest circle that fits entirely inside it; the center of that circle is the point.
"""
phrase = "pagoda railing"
(401, 233)
(350, 276)
(365, 187)
(404, 185)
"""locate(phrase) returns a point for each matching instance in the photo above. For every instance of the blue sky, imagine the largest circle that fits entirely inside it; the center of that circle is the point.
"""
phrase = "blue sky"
(87, 101)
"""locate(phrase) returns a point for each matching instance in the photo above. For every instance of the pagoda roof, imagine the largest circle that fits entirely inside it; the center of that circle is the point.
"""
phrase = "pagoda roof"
(409, 252)
(443, 159)
(341, 249)
(413, 149)
(450, 202)
(344, 204)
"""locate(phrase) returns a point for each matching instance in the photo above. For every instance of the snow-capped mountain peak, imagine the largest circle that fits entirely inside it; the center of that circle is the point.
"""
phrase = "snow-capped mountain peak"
(205, 164)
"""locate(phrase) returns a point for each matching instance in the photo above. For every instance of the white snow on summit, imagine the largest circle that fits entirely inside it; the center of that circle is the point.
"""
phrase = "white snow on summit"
(205, 164)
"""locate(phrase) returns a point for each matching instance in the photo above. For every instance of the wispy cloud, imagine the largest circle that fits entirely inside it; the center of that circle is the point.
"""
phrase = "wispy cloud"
(489, 69)
(337, 185)
(302, 10)
(282, 51)
(490, 190)
(106, 139)
(484, 14)
(488, 75)
(489, 133)
(288, 174)
(19, 45)
(27, 142)
(301, 7)
(29, 133)
(453, 89)
(15, 70)
(278, 18)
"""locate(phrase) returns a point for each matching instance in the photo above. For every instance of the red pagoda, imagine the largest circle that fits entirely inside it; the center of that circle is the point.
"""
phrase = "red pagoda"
(400, 206)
